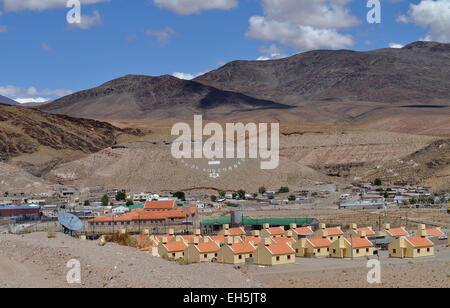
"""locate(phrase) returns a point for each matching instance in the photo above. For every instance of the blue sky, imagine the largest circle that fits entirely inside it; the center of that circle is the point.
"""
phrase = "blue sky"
(43, 57)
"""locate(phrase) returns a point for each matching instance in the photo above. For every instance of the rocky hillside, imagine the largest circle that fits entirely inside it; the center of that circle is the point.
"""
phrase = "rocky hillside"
(139, 97)
(419, 72)
(5, 100)
(26, 131)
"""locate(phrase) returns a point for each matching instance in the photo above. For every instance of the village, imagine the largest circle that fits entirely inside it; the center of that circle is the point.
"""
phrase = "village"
(238, 228)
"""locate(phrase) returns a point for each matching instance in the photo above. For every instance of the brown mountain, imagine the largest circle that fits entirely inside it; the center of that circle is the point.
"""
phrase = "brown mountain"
(139, 97)
(418, 72)
(51, 138)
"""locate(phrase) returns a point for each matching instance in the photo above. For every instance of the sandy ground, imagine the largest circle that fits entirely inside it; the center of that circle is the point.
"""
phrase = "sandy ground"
(34, 260)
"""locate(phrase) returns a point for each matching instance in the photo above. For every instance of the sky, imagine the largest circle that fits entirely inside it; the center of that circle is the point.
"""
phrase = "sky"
(44, 57)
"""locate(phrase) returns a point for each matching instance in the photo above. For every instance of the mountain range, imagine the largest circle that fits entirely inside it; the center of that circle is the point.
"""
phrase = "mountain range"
(416, 75)
(8, 101)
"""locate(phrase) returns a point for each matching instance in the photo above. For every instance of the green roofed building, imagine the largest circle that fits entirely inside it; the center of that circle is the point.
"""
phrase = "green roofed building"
(136, 206)
(210, 226)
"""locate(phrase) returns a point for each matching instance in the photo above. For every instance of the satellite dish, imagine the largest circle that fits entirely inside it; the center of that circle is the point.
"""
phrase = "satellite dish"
(70, 222)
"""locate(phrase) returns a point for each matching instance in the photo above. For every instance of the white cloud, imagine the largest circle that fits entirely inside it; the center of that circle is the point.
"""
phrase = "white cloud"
(88, 21)
(187, 7)
(272, 52)
(32, 94)
(40, 5)
(433, 15)
(163, 36)
(304, 24)
(395, 45)
(295, 35)
(186, 76)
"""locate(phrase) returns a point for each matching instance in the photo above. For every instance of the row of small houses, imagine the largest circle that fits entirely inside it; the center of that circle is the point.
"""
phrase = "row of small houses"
(275, 245)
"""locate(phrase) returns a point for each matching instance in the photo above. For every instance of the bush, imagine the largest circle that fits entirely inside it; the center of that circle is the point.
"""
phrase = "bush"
(222, 193)
(129, 202)
(121, 196)
(262, 190)
(283, 190)
(292, 198)
(377, 182)
(105, 200)
(180, 195)
(87, 203)
(213, 198)
(241, 194)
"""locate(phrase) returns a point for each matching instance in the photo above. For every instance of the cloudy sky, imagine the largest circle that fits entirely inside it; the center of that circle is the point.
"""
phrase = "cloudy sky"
(43, 57)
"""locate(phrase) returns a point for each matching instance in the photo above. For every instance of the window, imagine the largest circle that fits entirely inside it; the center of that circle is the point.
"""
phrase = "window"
(418, 250)
(278, 258)
(357, 250)
(331, 238)
(251, 255)
(173, 254)
(394, 250)
(318, 250)
(240, 257)
(367, 249)
(296, 250)
(428, 249)
(328, 249)
(215, 255)
(205, 256)
(289, 257)
(334, 250)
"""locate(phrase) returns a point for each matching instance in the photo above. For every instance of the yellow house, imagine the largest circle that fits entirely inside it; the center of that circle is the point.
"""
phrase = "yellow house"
(300, 232)
(198, 252)
(355, 231)
(412, 247)
(267, 231)
(171, 250)
(187, 238)
(393, 232)
(234, 232)
(313, 246)
(254, 238)
(355, 247)
(274, 254)
(236, 253)
(158, 238)
(286, 239)
(334, 233)
(222, 239)
(430, 232)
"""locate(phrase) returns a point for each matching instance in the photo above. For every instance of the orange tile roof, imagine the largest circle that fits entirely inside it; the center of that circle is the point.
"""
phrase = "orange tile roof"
(255, 239)
(369, 231)
(434, 232)
(332, 231)
(359, 242)
(275, 230)
(319, 242)
(303, 230)
(236, 231)
(160, 205)
(160, 237)
(419, 242)
(280, 249)
(395, 232)
(279, 240)
(207, 247)
(175, 246)
(239, 248)
(219, 238)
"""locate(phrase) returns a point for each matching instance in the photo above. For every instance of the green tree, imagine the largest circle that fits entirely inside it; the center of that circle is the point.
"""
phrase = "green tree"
(234, 195)
(180, 195)
(213, 198)
(6, 194)
(222, 193)
(283, 189)
(262, 190)
(413, 200)
(129, 202)
(241, 194)
(377, 182)
(105, 200)
(292, 198)
(386, 194)
(255, 195)
(121, 196)
(87, 203)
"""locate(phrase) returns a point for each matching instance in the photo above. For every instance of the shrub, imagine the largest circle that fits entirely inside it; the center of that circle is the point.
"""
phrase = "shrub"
(283, 189)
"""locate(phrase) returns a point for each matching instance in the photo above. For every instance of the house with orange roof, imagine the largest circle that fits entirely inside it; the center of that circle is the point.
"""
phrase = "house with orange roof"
(352, 247)
(187, 238)
(233, 232)
(166, 205)
(254, 238)
(300, 232)
(430, 232)
(393, 233)
(271, 232)
(268, 253)
(286, 239)
(236, 253)
(412, 247)
(313, 246)
(197, 251)
(354, 230)
(333, 233)
(171, 250)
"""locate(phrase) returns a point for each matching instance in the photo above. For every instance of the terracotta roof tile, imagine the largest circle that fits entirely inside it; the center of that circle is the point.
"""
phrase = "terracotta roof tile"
(395, 232)
(275, 230)
(333, 231)
(359, 242)
(207, 247)
(236, 231)
(319, 242)
(160, 205)
(434, 232)
(239, 248)
(280, 249)
(279, 240)
(419, 242)
(255, 239)
(175, 246)
(304, 230)
(369, 231)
